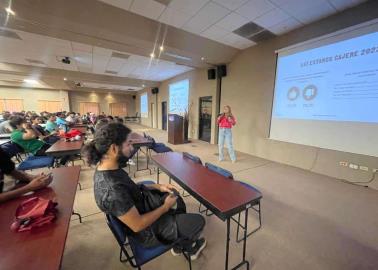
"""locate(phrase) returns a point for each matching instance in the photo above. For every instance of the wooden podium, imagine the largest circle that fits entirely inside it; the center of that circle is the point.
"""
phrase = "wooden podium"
(175, 129)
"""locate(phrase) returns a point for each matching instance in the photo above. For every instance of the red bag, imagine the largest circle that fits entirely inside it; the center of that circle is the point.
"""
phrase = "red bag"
(72, 133)
(34, 212)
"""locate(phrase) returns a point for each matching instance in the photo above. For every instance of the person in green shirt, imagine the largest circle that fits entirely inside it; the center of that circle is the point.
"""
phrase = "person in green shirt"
(24, 135)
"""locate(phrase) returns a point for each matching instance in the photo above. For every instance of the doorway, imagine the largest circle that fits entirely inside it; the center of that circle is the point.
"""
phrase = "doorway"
(205, 113)
(164, 115)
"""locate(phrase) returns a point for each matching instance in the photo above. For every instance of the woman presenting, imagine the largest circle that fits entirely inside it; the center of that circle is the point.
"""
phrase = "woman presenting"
(226, 121)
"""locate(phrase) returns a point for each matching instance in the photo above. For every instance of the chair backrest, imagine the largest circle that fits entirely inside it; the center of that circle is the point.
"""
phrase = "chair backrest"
(12, 149)
(190, 156)
(219, 170)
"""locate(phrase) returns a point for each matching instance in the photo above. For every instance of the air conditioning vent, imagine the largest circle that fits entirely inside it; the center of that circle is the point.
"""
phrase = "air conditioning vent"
(248, 30)
(264, 35)
(120, 55)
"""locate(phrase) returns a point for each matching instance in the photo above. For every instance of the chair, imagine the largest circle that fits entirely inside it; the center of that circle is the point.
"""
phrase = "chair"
(258, 210)
(36, 162)
(13, 150)
(219, 170)
(130, 250)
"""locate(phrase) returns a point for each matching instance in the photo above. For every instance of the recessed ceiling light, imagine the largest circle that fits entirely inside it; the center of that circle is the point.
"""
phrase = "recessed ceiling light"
(64, 79)
(143, 85)
(31, 81)
(10, 11)
(202, 58)
(161, 48)
(152, 55)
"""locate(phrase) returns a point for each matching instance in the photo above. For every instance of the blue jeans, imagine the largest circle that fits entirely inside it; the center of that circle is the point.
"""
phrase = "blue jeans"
(225, 134)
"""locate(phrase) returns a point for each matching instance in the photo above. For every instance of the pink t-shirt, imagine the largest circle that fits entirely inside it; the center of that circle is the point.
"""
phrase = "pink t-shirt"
(226, 122)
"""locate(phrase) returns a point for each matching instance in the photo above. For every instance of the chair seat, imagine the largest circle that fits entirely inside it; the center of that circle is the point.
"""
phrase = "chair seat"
(161, 148)
(34, 162)
(146, 182)
(143, 254)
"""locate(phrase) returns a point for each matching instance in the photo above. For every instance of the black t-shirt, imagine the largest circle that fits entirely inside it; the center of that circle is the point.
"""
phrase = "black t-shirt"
(115, 193)
(6, 166)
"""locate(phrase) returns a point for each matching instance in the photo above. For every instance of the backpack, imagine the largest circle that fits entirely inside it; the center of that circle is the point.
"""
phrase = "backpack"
(33, 213)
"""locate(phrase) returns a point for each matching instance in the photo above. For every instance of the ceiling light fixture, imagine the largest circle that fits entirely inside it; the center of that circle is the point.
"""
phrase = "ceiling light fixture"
(31, 81)
(64, 79)
(202, 58)
(152, 55)
(161, 48)
(10, 11)
(143, 85)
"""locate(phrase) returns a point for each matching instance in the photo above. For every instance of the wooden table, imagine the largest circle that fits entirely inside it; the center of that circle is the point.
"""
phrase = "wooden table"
(63, 148)
(42, 248)
(222, 196)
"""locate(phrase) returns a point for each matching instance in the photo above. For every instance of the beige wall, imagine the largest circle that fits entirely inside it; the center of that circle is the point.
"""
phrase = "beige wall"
(103, 99)
(199, 86)
(248, 89)
(31, 96)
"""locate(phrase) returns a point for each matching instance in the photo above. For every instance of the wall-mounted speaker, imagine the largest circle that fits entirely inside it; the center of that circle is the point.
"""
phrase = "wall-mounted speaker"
(134, 97)
(211, 74)
(155, 90)
(221, 71)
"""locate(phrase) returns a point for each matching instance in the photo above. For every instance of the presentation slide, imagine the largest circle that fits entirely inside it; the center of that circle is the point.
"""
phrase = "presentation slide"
(337, 82)
(326, 93)
(179, 97)
(144, 105)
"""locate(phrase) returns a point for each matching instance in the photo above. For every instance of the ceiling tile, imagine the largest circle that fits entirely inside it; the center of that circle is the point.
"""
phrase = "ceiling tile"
(83, 58)
(81, 47)
(147, 8)
(124, 4)
(271, 18)
(214, 32)
(232, 21)
(315, 12)
(236, 41)
(254, 8)
(174, 17)
(231, 4)
(190, 7)
(115, 64)
(285, 26)
(344, 4)
(207, 16)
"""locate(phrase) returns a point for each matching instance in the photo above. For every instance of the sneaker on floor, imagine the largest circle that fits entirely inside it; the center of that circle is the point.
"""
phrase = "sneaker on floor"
(196, 250)
(176, 251)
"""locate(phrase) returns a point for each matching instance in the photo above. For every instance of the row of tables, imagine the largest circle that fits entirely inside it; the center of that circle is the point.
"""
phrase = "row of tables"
(44, 249)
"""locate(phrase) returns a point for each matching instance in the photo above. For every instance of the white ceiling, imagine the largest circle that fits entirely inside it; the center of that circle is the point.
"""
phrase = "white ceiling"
(216, 19)
(84, 58)
(18, 81)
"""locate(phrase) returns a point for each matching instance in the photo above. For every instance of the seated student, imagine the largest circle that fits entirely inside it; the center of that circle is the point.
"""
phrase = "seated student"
(117, 194)
(24, 135)
(60, 121)
(51, 126)
(5, 126)
(50, 138)
(70, 119)
(31, 182)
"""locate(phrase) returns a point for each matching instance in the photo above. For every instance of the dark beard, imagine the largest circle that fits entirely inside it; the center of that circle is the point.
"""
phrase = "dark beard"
(122, 160)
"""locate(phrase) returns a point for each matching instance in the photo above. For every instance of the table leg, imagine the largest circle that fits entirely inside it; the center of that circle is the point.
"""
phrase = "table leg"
(157, 176)
(227, 242)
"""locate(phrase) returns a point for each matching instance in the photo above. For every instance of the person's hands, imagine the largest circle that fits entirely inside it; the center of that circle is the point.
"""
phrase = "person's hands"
(167, 188)
(39, 182)
(169, 202)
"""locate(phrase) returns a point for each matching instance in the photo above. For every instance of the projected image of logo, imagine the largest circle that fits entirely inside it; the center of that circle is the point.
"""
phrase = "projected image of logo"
(310, 92)
(293, 93)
